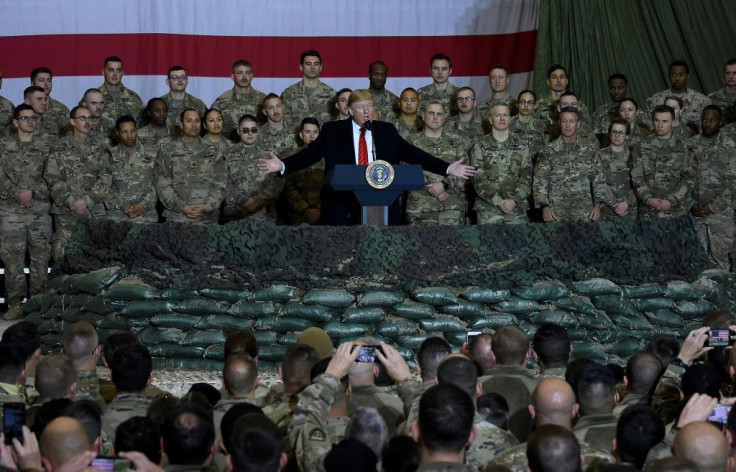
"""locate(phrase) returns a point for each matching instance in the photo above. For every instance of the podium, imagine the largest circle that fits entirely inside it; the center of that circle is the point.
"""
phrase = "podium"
(374, 202)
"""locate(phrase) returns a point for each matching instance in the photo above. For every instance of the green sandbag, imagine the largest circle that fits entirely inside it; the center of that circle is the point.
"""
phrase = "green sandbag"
(223, 322)
(637, 321)
(575, 304)
(486, 295)
(394, 327)
(92, 282)
(173, 320)
(528, 328)
(655, 303)
(265, 337)
(65, 301)
(665, 318)
(102, 305)
(413, 311)
(381, 298)
(456, 339)
(188, 364)
(92, 318)
(231, 296)
(596, 320)
(57, 282)
(650, 290)
(174, 350)
(545, 291)
(116, 322)
(151, 335)
(47, 326)
(272, 352)
(245, 309)
(594, 287)
(288, 339)
(442, 324)
(518, 306)
(465, 309)
(35, 318)
(147, 308)
(215, 351)
(590, 350)
(626, 347)
(407, 354)
(53, 313)
(495, 319)
(277, 293)
(679, 290)
(316, 313)
(614, 304)
(695, 310)
(329, 297)
(435, 296)
(52, 342)
(177, 295)
(607, 336)
(283, 324)
(361, 314)
(71, 315)
(201, 307)
(39, 303)
(335, 329)
(578, 334)
(204, 338)
(413, 341)
(558, 317)
(131, 289)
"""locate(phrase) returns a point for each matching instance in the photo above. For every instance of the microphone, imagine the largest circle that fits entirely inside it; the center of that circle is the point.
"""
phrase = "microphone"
(368, 124)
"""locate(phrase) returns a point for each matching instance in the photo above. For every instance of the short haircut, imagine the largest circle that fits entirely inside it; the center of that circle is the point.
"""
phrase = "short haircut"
(622, 122)
(552, 344)
(73, 112)
(270, 96)
(440, 56)
(572, 110)
(310, 120)
(401, 454)
(298, 362)
(459, 371)
(174, 69)
(123, 119)
(11, 363)
(247, 117)
(618, 76)
(89, 415)
(676, 99)
(510, 345)
(629, 99)
(55, 375)
(445, 418)
(40, 70)
(367, 426)
(642, 371)
(23, 334)
(80, 338)
(518, 97)
(48, 412)
(713, 108)
(555, 67)
(112, 59)
(377, 63)
(130, 368)
(570, 94)
(432, 352)
(161, 406)
(494, 408)
(151, 102)
(241, 62)
(359, 95)
(186, 110)
(310, 52)
(552, 448)
(730, 62)
(231, 416)
(499, 66)
(703, 379)
(117, 340)
(638, 430)
(139, 434)
(256, 444)
(663, 109)
(596, 389)
(664, 347)
(240, 373)
(243, 341)
(208, 111)
(30, 90)
(678, 63)
(188, 434)
(16, 115)
(464, 89)
(89, 91)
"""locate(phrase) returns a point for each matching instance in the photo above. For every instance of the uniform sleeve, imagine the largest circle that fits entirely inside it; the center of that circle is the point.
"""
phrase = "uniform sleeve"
(8, 190)
(162, 174)
(269, 189)
(601, 189)
(541, 178)
(524, 182)
(102, 185)
(638, 181)
(57, 185)
(218, 182)
(485, 186)
(682, 192)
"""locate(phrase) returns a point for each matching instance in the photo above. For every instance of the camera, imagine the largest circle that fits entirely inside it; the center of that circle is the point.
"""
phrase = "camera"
(368, 354)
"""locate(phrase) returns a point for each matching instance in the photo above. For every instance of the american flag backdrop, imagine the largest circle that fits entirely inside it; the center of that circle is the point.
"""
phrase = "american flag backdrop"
(73, 37)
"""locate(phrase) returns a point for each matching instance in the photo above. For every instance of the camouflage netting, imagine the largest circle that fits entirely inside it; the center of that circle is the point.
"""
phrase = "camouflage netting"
(182, 288)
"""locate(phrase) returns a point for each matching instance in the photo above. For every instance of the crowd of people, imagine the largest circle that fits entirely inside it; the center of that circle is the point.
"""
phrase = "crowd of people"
(500, 404)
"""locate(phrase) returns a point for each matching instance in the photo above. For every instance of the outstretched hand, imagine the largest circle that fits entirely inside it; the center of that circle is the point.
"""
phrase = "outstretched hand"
(458, 169)
(271, 165)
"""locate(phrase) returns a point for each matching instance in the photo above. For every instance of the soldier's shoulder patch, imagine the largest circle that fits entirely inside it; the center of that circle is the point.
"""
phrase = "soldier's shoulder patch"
(317, 434)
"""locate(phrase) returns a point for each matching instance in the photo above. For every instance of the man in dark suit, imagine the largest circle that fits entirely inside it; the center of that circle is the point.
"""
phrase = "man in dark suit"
(352, 142)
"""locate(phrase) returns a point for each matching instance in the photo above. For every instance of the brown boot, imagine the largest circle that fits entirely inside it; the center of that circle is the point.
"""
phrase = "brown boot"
(13, 313)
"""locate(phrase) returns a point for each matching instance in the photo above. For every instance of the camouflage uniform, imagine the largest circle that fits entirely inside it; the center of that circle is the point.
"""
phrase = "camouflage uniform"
(222, 407)
(7, 109)
(233, 105)
(102, 130)
(445, 467)
(302, 191)
(76, 170)
(311, 431)
(224, 144)
(547, 111)
(280, 409)
(628, 400)
(602, 117)
(190, 174)
(301, 102)
(88, 387)
(516, 460)
(176, 107)
(47, 128)
(683, 132)
(532, 134)
(57, 113)
(489, 442)
(483, 110)
(503, 171)
(693, 104)
(598, 430)
(729, 130)
(471, 131)
(281, 142)
(246, 180)
(714, 186)
(563, 179)
(389, 406)
(613, 184)
(127, 103)
(132, 182)
(666, 397)
(156, 136)
(123, 407)
(431, 92)
(722, 98)
(662, 168)
(21, 167)
(9, 393)
(423, 209)
(385, 104)
(405, 130)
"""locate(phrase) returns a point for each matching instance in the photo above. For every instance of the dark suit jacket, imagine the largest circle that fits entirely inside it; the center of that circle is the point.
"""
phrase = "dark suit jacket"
(335, 144)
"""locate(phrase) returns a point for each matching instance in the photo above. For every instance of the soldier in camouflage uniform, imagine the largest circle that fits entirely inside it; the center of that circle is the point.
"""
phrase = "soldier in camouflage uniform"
(212, 122)
(45, 128)
(95, 103)
(12, 376)
(662, 170)
(612, 186)
(443, 200)
(617, 90)
(503, 172)
(78, 176)
(713, 195)
(302, 189)
(384, 101)
(498, 80)
(132, 196)
(408, 122)
(6, 111)
(190, 175)
(157, 131)
(547, 106)
(564, 175)
(82, 344)
(340, 104)
(25, 223)
(678, 129)
(241, 100)
(251, 192)
(585, 131)
(694, 101)
(468, 123)
(725, 97)
(532, 131)
(309, 96)
(178, 99)
(275, 135)
(56, 112)
(440, 67)
(119, 100)
(629, 110)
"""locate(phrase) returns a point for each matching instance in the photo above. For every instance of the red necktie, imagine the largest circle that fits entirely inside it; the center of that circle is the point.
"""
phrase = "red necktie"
(362, 149)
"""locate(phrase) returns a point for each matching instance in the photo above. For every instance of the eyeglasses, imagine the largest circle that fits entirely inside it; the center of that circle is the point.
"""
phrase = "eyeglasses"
(249, 130)
(83, 118)
(618, 133)
(178, 77)
(526, 102)
(28, 119)
(465, 99)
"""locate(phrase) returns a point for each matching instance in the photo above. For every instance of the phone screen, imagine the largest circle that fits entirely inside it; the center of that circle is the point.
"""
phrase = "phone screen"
(14, 417)
(111, 464)
(720, 414)
(719, 337)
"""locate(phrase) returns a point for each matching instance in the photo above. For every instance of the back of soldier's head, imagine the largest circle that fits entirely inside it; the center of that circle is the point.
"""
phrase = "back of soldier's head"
(130, 368)
(188, 434)
(401, 454)
(367, 426)
(510, 345)
(89, 415)
(117, 340)
(552, 345)
(704, 444)
(63, 439)
(460, 371)
(241, 341)
(432, 351)
(298, 362)
(638, 430)
(445, 418)
(596, 390)
(24, 335)
(240, 374)
(673, 464)
(55, 375)
(11, 363)
(494, 408)
(139, 434)
(48, 412)
(80, 341)
(665, 348)
(642, 372)
(231, 416)
(552, 448)
(256, 444)
(481, 352)
(701, 378)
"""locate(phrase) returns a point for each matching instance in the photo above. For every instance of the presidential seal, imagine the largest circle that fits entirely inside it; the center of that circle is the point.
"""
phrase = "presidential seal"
(379, 174)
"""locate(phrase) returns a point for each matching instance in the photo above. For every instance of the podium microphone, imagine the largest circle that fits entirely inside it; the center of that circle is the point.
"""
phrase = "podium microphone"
(368, 124)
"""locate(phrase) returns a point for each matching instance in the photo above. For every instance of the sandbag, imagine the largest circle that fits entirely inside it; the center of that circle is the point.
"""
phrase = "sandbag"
(544, 291)
(114, 322)
(666, 318)
(654, 303)
(494, 320)
(173, 320)
(442, 324)
(413, 341)
(104, 306)
(201, 307)
(465, 309)
(71, 315)
(365, 315)
(590, 350)
(265, 337)
(174, 350)
(597, 286)
(288, 339)
(38, 303)
(272, 352)
(558, 317)
(230, 296)
(456, 339)
(131, 289)
(595, 321)
(695, 310)
(394, 327)
(151, 335)
(92, 282)
(147, 308)
(578, 334)
(188, 364)
(626, 347)
(636, 321)
(277, 293)
(335, 329)
(575, 304)
(316, 313)
(223, 322)
(283, 324)
(414, 311)
(614, 304)
(435, 296)
(518, 306)
(177, 295)
(91, 318)
(381, 298)
(215, 351)
(651, 290)
(329, 297)
(679, 290)
(204, 338)
(246, 309)
(486, 295)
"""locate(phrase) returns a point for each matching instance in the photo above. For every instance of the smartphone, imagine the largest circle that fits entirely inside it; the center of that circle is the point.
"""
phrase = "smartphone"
(720, 414)
(368, 354)
(719, 338)
(14, 417)
(470, 336)
(111, 464)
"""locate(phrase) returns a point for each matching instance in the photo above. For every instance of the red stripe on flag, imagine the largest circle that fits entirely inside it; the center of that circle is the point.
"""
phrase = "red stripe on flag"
(212, 56)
